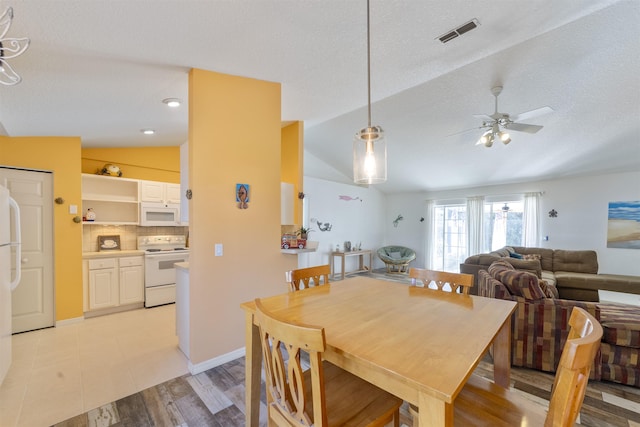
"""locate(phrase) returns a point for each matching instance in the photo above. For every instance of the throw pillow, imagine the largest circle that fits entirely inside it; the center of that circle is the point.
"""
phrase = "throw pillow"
(515, 255)
(395, 255)
(549, 290)
(519, 283)
(531, 257)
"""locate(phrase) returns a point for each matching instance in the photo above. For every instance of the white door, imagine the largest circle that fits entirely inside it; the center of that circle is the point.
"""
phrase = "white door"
(33, 299)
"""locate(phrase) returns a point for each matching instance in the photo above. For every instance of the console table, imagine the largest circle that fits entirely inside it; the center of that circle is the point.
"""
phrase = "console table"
(361, 265)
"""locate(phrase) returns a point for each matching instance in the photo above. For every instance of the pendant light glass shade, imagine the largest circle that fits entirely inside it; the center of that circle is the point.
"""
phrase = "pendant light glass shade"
(369, 145)
(370, 156)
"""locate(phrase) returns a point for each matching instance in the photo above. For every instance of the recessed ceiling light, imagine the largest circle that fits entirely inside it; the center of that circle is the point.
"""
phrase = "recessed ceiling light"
(172, 102)
(148, 131)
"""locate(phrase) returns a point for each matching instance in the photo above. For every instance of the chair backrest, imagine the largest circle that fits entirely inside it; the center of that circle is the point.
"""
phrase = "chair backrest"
(303, 277)
(572, 376)
(441, 279)
(281, 344)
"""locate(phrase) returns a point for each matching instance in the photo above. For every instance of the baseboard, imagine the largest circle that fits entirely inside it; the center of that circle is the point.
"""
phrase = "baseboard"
(71, 321)
(216, 361)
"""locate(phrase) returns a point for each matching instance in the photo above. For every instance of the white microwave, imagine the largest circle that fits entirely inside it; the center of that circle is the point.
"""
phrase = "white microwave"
(159, 214)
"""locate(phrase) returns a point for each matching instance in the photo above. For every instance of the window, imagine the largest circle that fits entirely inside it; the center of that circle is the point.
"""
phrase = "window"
(450, 239)
(503, 224)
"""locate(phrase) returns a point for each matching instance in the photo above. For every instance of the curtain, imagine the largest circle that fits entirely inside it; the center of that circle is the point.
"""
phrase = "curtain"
(530, 220)
(429, 234)
(475, 225)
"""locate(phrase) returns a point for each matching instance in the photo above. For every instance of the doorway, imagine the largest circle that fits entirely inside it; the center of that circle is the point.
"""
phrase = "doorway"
(33, 299)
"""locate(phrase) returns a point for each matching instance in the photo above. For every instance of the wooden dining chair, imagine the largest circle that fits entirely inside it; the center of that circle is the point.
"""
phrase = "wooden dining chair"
(441, 279)
(484, 403)
(323, 395)
(305, 277)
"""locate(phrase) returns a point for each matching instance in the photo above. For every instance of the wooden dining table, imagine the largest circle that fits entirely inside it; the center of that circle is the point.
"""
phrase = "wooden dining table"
(418, 344)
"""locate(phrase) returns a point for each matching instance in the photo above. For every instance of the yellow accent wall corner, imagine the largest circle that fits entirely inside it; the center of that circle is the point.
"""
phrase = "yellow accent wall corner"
(60, 155)
(234, 138)
(292, 163)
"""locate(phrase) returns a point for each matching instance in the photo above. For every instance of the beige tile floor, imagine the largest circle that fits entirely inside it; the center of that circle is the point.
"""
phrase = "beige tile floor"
(61, 372)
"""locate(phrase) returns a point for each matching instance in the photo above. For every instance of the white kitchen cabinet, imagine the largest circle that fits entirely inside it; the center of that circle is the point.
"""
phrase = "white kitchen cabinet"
(114, 282)
(161, 192)
(113, 200)
(103, 283)
(131, 280)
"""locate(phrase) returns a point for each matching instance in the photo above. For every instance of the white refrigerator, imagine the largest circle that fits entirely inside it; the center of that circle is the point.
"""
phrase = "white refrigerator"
(9, 274)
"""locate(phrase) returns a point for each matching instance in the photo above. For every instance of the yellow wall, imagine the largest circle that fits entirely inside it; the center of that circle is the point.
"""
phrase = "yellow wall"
(292, 163)
(60, 155)
(152, 163)
(234, 137)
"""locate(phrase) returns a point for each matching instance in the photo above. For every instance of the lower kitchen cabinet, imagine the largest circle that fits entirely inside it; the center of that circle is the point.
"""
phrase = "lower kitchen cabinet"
(115, 282)
(131, 280)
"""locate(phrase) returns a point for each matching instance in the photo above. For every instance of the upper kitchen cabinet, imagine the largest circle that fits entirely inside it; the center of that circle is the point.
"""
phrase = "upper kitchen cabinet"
(113, 200)
(160, 192)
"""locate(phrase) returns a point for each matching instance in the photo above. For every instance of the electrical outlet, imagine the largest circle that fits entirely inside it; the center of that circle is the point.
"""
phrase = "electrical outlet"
(73, 209)
(218, 249)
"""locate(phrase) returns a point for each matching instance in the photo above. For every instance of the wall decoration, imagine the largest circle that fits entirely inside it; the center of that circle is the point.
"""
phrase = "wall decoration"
(323, 226)
(623, 225)
(397, 220)
(108, 243)
(553, 213)
(349, 198)
(242, 196)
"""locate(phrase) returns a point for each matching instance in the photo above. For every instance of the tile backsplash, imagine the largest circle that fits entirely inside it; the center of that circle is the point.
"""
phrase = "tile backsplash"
(128, 234)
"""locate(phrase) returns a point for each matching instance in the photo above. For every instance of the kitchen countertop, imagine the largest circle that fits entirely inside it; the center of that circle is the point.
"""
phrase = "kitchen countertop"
(111, 254)
(182, 265)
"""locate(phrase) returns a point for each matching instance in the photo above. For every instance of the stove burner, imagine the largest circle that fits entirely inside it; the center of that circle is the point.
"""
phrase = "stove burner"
(179, 249)
(154, 250)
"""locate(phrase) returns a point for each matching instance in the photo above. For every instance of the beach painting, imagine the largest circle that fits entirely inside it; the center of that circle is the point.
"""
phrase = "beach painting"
(623, 229)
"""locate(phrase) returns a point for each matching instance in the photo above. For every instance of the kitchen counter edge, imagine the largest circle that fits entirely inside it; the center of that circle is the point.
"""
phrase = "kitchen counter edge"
(111, 254)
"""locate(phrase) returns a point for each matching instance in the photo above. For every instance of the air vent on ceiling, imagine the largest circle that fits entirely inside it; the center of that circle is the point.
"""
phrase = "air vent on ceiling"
(464, 28)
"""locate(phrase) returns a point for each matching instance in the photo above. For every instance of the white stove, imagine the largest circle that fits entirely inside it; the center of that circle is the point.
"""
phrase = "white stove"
(161, 253)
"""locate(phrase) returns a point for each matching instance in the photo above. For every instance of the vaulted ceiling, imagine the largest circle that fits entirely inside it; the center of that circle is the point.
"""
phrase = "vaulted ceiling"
(99, 70)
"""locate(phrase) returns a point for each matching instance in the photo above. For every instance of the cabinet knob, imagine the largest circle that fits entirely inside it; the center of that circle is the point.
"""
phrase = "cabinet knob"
(24, 260)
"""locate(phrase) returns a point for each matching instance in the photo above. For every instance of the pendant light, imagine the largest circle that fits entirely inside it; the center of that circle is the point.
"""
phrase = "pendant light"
(369, 145)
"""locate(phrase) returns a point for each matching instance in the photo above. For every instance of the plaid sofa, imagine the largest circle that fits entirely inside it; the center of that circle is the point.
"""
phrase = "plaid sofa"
(540, 325)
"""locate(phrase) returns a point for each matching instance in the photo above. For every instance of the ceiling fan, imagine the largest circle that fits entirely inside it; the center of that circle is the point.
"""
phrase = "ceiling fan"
(498, 124)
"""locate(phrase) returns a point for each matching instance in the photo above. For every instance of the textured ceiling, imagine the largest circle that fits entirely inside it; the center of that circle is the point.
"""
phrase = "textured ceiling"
(99, 70)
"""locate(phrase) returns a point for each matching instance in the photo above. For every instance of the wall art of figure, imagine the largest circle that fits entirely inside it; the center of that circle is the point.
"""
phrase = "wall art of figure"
(242, 196)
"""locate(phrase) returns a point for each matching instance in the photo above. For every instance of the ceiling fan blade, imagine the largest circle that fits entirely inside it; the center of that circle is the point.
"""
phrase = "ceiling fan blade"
(523, 127)
(483, 116)
(532, 113)
(467, 130)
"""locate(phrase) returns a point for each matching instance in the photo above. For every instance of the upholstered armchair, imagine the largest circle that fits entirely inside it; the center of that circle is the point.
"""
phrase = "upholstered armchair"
(396, 258)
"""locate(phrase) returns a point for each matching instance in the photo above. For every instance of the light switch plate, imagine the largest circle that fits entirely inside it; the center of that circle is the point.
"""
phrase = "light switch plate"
(73, 209)
(218, 249)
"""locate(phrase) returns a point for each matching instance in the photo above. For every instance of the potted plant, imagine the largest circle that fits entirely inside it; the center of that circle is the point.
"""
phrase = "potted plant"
(303, 232)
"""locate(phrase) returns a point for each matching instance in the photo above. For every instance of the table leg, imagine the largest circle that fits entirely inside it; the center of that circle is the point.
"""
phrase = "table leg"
(434, 412)
(342, 257)
(370, 262)
(502, 355)
(253, 368)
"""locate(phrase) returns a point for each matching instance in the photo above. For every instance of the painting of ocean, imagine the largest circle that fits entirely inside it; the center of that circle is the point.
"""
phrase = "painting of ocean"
(623, 225)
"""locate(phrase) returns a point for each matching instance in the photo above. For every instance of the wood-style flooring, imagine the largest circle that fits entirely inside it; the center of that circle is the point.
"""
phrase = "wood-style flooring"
(216, 398)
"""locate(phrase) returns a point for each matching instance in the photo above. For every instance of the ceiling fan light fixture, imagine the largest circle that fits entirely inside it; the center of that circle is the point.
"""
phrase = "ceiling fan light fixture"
(9, 48)
(369, 144)
(504, 137)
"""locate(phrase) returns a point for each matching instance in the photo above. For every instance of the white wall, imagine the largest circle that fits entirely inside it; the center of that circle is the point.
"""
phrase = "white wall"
(581, 203)
(360, 220)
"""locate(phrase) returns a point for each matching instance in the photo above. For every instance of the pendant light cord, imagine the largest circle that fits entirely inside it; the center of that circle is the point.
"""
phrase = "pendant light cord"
(368, 67)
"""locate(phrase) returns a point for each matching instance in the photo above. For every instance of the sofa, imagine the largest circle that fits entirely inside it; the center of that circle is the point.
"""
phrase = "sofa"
(573, 272)
(539, 326)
